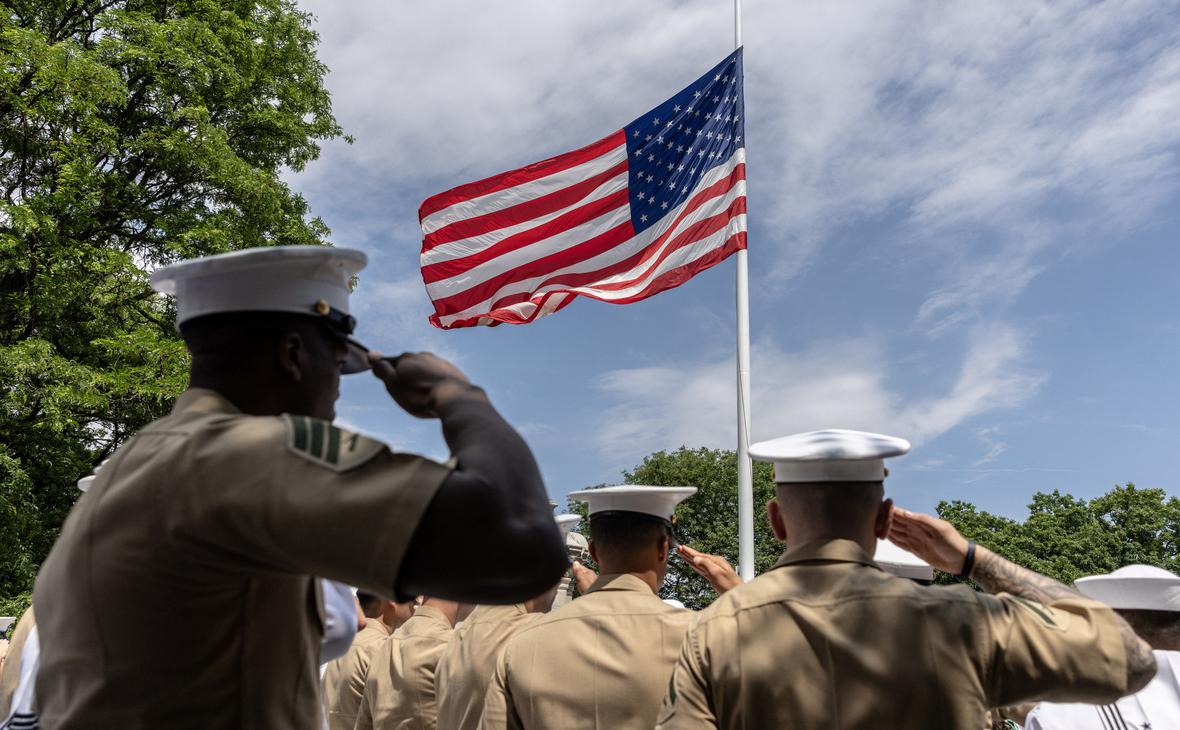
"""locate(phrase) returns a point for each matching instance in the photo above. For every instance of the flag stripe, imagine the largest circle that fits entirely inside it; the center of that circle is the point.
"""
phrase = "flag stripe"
(529, 210)
(617, 263)
(570, 226)
(716, 182)
(612, 267)
(536, 179)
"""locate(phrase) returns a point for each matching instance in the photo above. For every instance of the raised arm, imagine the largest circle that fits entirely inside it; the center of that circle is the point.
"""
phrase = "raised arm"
(488, 535)
(938, 542)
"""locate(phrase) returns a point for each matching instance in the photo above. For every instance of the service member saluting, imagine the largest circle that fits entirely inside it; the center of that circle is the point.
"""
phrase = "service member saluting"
(179, 593)
(826, 639)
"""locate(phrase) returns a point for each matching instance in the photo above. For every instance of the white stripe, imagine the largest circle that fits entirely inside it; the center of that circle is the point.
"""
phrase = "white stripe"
(681, 257)
(468, 246)
(623, 250)
(513, 259)
(501, 199)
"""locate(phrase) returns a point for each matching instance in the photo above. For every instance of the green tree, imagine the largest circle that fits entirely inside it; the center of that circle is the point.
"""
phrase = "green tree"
(132, 133)
(1066, 537)
(708, 521)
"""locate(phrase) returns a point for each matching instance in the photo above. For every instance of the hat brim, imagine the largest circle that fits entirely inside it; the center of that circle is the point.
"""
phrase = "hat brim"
(357, 358)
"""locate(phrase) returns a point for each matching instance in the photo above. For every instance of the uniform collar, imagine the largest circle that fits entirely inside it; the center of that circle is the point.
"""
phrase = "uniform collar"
(620, 582)
(433, 615)
(203, 400)
(489, 612)
(376, 624)
(826, 551)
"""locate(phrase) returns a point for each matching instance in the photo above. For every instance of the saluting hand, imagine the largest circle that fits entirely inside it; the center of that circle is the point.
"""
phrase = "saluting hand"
(931, 539)
(712, 568)
(583, 577)
(419, 381)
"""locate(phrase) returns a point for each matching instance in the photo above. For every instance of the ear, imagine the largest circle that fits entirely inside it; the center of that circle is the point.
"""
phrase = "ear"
(777, 523)
(292, 355)
(884, 518)
(664, 547)
(594, 552)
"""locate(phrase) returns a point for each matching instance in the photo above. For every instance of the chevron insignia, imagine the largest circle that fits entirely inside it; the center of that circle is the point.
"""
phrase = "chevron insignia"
(329, 446)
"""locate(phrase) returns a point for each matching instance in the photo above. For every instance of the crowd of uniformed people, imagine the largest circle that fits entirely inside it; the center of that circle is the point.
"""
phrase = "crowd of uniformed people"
(244, 563)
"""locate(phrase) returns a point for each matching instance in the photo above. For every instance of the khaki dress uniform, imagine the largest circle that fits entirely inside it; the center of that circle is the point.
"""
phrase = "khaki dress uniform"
(827, 639)
(467, 666)
(10, 675)
(180, 592)
(344, 679)
(399, 690)
(601, 662)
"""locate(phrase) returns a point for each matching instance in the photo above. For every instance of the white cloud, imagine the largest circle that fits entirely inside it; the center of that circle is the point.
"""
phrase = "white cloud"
(838, 384)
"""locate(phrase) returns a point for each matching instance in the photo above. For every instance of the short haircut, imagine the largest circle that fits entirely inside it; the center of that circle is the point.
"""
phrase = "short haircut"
(370, 603)
(1151, 625)
(620, 533)
(239, 335)
(832, 503)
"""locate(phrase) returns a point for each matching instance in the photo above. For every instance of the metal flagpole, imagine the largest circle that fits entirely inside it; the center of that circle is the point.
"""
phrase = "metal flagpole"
(745, 468)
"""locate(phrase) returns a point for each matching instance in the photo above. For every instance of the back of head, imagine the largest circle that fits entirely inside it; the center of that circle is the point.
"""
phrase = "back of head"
(1161, 629)
(371, 605)
(831, 510)
(232, 342)
(627, 542)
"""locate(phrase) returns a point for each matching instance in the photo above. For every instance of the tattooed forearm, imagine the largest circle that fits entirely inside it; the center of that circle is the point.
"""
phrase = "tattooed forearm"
(997, 575)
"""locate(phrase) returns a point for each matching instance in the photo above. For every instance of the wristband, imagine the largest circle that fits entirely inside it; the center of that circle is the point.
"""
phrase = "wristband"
(969, 562)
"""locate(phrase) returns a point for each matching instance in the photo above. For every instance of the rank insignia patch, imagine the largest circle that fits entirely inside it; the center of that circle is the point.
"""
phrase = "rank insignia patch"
(329, 446)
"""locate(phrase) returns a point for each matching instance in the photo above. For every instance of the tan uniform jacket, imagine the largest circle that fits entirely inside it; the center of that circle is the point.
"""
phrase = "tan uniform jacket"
(601, 662)
(399, 691)
(10, 677)
(827, 639)
(467, 666)
(179, 592)
(344, 679)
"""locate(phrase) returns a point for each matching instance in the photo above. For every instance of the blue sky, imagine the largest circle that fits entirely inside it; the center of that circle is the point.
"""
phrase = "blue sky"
(963, 230)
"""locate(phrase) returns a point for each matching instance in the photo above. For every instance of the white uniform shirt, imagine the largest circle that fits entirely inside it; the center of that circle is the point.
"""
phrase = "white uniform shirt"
(1155, 707)
(24, 702)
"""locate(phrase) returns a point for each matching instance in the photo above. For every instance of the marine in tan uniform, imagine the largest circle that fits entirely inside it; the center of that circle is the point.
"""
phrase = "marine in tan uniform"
(602, 661)
(344, 678)
(399, 690)
(180, 592)
(466, 667)
(10, 672)
(827, 639)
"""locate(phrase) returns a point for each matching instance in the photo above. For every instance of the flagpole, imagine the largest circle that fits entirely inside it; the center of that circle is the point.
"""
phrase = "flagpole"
(745, 468)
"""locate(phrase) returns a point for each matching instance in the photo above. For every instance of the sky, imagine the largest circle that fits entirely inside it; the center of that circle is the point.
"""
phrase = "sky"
(963, 218)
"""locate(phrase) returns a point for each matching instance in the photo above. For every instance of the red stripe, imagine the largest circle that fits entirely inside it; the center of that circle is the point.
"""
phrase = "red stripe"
(562, 223)
(512, 178)
(574, 254)
(537, 267)
(667, 280)
(521, 212)
(571, 280)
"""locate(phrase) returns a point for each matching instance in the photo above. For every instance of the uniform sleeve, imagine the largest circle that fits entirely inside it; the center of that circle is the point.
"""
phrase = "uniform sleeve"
(364, 713)
(1067, 651)
(686, 703)
(296, 494)
(499, 712)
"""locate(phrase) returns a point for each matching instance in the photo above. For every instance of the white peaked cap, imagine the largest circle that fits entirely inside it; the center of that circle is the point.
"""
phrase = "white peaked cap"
(901, 563)
(834, 455)
(566, 522)
(655, 501)
(85, 482)
(1135, 587)
(312, 280)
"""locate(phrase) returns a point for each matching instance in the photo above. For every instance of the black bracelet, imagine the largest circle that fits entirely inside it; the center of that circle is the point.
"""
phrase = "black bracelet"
(969, 563)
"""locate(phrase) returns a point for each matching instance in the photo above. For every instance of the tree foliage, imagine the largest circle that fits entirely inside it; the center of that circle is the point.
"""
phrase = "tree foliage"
(132, 133)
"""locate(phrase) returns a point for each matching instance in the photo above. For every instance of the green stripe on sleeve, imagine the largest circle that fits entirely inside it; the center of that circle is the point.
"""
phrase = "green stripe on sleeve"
(333, 453)
(317, 438)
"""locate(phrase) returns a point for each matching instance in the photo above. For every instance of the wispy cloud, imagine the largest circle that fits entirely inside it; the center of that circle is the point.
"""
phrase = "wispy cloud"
(836, 384)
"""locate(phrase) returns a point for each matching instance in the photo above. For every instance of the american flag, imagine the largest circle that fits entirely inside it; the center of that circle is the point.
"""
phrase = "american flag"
(637, 212)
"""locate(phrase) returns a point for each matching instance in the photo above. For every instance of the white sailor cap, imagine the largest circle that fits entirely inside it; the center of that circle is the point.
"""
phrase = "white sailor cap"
(1134, 587)
(834, 455)
(901, 563)
(85, 482)
(566, 522)
(654, 501)
(311, 280)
